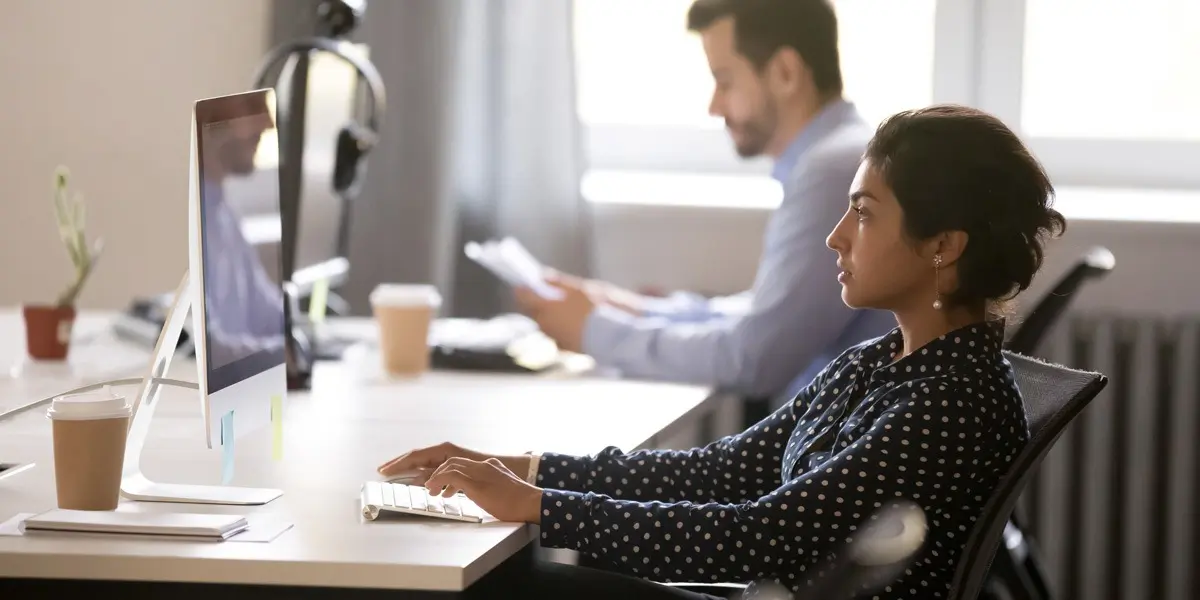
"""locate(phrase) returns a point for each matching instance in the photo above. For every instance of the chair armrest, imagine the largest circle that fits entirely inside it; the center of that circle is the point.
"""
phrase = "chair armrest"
(722, 590)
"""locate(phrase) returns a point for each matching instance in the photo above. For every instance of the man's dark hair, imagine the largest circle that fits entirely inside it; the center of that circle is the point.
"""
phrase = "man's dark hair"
(954, 168)
(762, 27)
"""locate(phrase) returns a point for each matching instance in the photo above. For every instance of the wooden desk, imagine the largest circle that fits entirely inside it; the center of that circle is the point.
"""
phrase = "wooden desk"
(334, 437)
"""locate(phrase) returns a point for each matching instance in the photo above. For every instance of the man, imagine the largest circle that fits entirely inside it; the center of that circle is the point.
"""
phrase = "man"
(779, 89)
(243, 302)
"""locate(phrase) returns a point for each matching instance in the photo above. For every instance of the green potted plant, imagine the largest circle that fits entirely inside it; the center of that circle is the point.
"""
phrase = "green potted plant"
(48, 327)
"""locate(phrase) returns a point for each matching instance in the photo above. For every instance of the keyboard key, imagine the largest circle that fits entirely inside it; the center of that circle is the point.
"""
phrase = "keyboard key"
(417, 497)
(402, 495)
(434, 504)
(470, 509)
(452, 506)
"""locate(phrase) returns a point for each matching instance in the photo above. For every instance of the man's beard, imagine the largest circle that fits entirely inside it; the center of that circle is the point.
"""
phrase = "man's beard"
(756, 132)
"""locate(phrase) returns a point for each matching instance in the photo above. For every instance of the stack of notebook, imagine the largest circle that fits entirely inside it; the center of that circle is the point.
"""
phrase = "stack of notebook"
(172, 525)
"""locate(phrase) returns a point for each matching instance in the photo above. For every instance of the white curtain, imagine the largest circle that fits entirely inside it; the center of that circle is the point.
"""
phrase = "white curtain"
(481, 139)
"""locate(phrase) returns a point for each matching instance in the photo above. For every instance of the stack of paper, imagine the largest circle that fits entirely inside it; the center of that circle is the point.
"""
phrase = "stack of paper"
(513, 264)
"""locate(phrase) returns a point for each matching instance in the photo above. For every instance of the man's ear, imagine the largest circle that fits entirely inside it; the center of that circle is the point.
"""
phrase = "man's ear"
(786, 71)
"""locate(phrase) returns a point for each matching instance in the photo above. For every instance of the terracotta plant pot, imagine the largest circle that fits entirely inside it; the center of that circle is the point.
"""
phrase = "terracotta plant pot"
(48, 331)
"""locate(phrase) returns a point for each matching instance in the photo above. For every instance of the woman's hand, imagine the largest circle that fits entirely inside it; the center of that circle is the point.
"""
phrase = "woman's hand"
(491, 485)
(421, 463)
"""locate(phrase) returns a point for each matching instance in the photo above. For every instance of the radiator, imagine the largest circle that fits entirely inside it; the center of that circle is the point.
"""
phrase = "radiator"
(1113, 508)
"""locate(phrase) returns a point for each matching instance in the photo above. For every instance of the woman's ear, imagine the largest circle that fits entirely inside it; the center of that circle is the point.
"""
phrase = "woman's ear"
(950, 245)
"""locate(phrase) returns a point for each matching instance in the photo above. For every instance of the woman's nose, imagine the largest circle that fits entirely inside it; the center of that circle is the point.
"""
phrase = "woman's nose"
(835, 240)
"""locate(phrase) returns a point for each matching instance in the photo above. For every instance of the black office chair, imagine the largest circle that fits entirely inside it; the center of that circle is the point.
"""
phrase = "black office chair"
(1054, 396)
(1017, 573)
(888, 543)
(1092, 266)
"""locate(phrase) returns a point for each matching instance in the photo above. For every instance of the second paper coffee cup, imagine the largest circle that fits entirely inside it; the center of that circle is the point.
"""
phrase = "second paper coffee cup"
(404, 313)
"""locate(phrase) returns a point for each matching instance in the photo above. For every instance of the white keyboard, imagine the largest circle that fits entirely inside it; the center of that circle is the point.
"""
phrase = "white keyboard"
(381, 496)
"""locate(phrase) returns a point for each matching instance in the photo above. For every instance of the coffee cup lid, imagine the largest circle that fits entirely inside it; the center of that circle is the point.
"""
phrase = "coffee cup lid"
(89, 406)
(404, 294)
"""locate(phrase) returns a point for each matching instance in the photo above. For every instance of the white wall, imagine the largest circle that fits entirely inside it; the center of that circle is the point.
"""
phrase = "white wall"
(715, 249)
(106, 89)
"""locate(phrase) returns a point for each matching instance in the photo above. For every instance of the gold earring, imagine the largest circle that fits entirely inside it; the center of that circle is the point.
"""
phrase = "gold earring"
(937, 281)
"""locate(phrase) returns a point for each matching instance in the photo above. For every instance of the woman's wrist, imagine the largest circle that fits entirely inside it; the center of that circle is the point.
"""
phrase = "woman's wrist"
(531, 472)
(524, 466)
(533, 505)
(519, 464)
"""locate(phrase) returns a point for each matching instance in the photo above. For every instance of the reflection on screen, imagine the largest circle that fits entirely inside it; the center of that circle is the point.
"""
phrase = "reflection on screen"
(243, 302)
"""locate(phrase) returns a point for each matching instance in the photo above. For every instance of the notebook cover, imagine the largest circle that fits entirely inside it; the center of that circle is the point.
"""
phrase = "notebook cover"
(187, 524)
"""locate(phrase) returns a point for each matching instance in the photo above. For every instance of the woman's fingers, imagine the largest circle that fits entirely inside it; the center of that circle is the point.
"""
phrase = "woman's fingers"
(449, 481)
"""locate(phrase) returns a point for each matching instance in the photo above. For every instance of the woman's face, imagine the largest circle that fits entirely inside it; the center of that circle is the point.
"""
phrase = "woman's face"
(881, 268)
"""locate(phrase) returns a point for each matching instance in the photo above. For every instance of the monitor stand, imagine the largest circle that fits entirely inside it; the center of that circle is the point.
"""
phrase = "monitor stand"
(134, 484)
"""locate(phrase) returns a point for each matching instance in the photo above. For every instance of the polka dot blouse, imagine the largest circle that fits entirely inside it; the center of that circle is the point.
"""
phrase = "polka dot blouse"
(777, 501)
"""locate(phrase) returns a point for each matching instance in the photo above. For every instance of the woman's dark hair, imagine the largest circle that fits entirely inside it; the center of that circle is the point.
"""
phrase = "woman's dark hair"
(762, 27)
(958, 168)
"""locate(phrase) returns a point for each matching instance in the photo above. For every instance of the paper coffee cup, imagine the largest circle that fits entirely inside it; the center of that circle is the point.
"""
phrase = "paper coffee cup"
(89, 448)
(404, 313)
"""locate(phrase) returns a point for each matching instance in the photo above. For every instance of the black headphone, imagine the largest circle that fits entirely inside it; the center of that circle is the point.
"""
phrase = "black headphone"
(355, 140)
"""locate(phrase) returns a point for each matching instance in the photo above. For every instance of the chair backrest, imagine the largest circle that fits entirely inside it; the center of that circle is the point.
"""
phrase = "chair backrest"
(1053, 396)
(1094, 264)
(887, 544)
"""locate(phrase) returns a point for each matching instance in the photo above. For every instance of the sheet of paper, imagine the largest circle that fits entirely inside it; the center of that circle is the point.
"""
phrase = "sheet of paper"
(13, 525)
(527, 268)
(512, 263)
(263, 528)
(485, 254)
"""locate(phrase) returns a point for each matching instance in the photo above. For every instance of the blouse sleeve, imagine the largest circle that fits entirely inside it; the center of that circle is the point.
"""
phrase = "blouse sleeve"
(912, 450)
(736, 468)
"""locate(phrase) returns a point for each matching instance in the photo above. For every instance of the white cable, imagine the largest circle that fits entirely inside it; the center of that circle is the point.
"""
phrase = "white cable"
(95, 386)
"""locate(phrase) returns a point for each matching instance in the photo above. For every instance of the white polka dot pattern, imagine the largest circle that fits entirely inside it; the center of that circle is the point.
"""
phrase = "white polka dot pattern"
(938, 427)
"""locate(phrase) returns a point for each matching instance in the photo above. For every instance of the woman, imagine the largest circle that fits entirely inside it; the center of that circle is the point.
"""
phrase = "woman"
(946, 220)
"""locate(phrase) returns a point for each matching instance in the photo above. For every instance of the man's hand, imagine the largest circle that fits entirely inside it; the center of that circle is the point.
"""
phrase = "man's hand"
(491, 485)
(601, 292)
(422, 462)
(561, 319)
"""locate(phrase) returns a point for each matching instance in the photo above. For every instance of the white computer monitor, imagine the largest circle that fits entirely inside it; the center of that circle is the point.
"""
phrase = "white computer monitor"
(238, 322)
(234, 289)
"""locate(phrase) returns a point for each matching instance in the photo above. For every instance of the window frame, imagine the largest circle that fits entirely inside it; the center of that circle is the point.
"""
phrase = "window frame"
(1100, 162)
(973, 64)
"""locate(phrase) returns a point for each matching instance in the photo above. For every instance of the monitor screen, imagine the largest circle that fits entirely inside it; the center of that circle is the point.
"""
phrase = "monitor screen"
(239, 198)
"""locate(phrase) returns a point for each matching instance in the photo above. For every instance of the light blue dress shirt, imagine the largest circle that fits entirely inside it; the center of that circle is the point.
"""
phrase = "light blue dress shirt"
(772, 339)
(243, 304)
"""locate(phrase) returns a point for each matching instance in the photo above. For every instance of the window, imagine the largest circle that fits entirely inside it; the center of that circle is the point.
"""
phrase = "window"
(644, 84)
(639, 66)
(1129, 72)
(1104, 91)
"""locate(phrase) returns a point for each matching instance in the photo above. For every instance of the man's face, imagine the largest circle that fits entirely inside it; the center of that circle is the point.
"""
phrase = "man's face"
(740, 94)
(239, 143)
